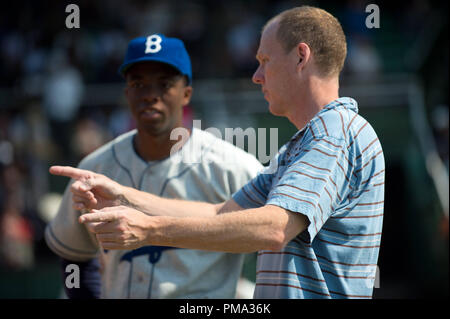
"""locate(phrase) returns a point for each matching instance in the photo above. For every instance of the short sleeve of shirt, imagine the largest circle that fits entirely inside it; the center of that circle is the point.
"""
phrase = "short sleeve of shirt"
(255, 192)
(311, 183)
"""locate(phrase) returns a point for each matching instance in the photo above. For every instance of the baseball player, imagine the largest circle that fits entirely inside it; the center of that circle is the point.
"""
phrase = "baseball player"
(157, 70)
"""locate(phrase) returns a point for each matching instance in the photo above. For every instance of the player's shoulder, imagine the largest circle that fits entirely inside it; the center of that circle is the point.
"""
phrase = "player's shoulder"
(331, 122)
(105, 153)
(340, 122)
(221, 152)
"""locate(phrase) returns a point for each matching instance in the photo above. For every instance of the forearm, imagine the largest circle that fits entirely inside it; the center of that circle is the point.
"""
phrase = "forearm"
(96, 191)
(238, 232)
(265, 228)
(159, 206)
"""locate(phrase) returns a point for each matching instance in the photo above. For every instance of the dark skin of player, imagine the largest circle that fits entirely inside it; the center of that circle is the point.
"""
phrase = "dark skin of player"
(156, 94)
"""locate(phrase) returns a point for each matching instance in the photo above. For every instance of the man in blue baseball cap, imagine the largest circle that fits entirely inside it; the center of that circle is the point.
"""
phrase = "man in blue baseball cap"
(157, 71)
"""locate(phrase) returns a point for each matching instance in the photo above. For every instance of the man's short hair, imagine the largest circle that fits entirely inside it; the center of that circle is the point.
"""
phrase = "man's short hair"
(320, 30)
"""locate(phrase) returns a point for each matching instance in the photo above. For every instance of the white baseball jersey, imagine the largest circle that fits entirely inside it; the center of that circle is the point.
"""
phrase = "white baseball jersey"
(211, 171)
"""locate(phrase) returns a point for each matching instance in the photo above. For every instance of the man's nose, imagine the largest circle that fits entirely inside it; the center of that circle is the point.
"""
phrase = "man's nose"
(151, 93)
(258, 77)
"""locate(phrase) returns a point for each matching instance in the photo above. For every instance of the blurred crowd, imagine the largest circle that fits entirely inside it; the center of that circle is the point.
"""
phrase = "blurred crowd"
(46, 69)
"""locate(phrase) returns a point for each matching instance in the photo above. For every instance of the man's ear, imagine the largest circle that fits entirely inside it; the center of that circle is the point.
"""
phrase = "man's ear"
(187, 94)
(303, 54)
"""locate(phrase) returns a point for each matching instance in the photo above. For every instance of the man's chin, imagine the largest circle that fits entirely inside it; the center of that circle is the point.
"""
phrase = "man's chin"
(151, 129)
(274, 111)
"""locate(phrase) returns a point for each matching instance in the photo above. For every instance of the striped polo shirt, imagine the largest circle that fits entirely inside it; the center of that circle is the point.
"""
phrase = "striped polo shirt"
(331, 171)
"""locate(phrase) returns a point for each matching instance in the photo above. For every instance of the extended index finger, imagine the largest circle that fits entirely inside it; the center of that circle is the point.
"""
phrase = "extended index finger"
(71, 172)
(97, 216)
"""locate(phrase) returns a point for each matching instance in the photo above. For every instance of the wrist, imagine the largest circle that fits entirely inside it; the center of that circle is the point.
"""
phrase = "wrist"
(124, 197)
(154, 230)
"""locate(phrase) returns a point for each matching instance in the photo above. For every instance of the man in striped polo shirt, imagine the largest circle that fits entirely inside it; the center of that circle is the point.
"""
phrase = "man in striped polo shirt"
(315, 214)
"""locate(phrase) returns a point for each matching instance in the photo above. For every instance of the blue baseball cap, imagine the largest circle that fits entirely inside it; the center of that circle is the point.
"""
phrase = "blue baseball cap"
(160, 48)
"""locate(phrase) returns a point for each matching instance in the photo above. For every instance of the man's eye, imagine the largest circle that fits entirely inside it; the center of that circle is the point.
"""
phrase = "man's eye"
(261, 62)
(136, 85)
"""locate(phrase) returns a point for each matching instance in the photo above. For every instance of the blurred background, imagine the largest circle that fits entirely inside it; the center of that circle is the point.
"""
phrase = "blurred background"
(61, 98)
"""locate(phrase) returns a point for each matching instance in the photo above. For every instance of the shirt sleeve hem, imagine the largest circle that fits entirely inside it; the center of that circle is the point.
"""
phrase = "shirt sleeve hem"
(310, 232)
(64, 251)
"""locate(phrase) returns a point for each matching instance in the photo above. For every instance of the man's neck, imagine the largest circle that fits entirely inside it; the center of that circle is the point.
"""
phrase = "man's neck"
(155, 148)
(319, 94)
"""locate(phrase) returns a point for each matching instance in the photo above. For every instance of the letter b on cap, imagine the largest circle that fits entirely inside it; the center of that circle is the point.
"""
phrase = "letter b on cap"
(153, 44)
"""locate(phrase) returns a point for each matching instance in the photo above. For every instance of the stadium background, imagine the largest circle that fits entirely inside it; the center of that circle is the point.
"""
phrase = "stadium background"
(61, 97)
